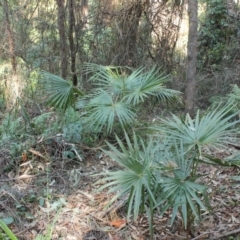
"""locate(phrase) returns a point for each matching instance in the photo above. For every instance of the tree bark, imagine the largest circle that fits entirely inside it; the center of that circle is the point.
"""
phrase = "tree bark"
(192, 55)
(62, 36)
(10, 38)
(71, 22)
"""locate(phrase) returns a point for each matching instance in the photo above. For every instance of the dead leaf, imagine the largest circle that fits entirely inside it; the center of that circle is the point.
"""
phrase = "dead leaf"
(24, 176)
(37, 153)
(24, 157)
(118, 223)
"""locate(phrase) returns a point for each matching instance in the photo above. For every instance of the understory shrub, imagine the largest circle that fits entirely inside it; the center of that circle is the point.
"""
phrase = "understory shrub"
(115, 95)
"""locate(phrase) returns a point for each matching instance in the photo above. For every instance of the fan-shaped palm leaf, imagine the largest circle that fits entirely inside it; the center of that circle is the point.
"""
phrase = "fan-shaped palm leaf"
(133, 88)
(136, 181)
(182, 195)
(107, 78)
(104, 110)
(212, 129)
(59, 92)
(180, 192)
(141, 84)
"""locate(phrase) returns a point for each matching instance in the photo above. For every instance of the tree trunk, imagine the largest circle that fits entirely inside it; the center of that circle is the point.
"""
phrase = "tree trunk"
(10, 38)
(62, 35)
(192, 55)
(71, 22)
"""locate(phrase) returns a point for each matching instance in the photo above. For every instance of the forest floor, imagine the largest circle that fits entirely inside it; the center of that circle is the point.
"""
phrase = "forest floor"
(59, 197)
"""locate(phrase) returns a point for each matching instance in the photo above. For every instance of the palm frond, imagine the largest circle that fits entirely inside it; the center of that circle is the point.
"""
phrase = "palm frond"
(107, 78)
(212, 129)
(136, 181)
(104, 110)
(133, 88)
(180, 194)
(58, 92)
(140, 85)
(179, 191)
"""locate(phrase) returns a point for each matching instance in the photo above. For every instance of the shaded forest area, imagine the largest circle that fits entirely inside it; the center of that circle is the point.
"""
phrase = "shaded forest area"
(119, 119)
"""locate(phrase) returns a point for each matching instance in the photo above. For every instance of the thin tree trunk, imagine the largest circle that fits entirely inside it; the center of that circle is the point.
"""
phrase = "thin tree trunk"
(62, 35)
(14, 83)
(10, 38)
(192, 55)
(71, 22)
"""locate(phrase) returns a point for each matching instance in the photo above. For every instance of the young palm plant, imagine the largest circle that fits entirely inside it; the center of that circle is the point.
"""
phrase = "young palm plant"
(114, 96)
(136, 180)
(215, 128)
(156, 175)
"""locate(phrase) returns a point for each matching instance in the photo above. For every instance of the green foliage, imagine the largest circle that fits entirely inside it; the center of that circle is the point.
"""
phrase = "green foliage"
(217, 30)
(180, 192)
(59, 92)
(136, 182)
(137, 178)
(135, 87)
(49, 230)
(156, 174)
(103, 111)
(72, 132)
(116, 94)
(234, 96)
(11, 125)
(8, 232)
(212, 129)
(162, 172)
(71, 123)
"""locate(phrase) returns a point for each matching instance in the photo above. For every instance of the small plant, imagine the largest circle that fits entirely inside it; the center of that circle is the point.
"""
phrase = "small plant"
(155, 175)
(114, 96)
(180, 192)
(162, 173)
(234, 96)
(136, 181)
(48, 235)
(8, 232)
